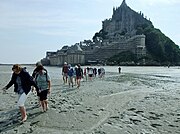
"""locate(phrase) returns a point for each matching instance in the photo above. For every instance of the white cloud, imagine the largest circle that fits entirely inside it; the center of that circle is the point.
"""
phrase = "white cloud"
(45, 22)
(19, 17)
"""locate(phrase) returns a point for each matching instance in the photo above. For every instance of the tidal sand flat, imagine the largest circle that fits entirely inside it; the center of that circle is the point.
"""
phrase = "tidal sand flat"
(142, 100)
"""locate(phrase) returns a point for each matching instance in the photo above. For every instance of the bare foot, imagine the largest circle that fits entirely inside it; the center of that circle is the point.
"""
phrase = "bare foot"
(24, 119)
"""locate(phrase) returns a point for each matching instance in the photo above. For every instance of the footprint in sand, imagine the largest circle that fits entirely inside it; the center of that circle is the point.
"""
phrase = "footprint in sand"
(156, 125)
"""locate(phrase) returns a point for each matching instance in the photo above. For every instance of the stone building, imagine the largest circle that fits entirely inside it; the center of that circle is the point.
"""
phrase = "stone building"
(135, 44)
(118, 34)
(72, 55)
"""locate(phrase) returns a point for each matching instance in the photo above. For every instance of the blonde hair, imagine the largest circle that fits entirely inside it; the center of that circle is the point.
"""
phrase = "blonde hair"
(17, 67)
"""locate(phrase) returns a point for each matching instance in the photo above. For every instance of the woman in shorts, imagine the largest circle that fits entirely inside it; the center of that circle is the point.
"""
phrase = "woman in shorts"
(22, 82)
(43, 82)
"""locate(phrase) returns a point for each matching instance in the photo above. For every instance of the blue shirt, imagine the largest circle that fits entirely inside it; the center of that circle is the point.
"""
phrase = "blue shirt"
(19, 89)
(70, 72)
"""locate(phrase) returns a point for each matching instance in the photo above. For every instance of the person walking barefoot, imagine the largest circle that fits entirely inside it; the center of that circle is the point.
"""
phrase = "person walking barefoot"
(22, 82)
(43, 82)
(79, 75)
(64, 72)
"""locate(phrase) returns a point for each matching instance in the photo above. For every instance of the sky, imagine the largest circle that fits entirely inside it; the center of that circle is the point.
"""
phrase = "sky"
(30, 28)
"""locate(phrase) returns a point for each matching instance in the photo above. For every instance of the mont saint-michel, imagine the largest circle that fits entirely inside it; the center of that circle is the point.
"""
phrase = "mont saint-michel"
(128, 37)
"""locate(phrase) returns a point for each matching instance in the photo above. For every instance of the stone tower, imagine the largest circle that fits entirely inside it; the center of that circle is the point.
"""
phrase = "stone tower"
(118, 34)
(124, 21)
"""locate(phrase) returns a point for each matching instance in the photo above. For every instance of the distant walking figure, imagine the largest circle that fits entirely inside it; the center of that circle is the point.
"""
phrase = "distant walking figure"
(22, 82)
(90, 73)
(99, 72)
(79, 75)
(119, 69)
(70, 75)
(64, 72)
(102, 72)
(95, 72)
(75, 78)
(85, 73)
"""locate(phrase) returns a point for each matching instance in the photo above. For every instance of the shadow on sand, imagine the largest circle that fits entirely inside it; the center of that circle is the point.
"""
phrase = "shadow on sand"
(14, 120)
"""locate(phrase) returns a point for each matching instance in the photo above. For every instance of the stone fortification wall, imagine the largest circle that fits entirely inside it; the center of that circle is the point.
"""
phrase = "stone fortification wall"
(73, 59)
(135, 44)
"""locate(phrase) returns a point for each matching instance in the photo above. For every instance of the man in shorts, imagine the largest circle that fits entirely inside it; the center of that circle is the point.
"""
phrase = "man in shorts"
(65, 72)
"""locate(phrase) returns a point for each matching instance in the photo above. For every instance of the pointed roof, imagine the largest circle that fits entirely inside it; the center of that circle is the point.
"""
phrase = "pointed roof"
(122, 9)
(124, 3)
(75, 48)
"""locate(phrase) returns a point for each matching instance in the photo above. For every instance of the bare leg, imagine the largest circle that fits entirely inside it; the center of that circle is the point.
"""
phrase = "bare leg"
(75, 81)
(23, 113)
(39, 102)
(72, 81)
(66, 79)
(63, 79)
(69, 84)
(45, 105)
(78, 83)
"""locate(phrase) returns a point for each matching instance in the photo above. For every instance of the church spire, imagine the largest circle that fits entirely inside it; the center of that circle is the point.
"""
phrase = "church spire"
(124, 2)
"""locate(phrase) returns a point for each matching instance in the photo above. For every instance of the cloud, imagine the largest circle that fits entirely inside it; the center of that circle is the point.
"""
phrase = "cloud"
(20, 17)
(45, 22)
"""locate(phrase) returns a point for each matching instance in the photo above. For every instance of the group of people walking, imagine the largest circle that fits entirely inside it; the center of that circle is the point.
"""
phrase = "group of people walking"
(73, 76)
(23, 83)
(40, 82)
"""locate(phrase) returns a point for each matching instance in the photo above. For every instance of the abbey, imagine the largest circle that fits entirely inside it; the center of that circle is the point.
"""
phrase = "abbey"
(118, 34)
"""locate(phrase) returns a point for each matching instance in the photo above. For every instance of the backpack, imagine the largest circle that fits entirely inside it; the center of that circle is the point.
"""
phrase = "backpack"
(46, 74)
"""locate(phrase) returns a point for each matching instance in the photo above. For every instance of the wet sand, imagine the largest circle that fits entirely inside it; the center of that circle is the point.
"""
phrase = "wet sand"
(126, 103)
